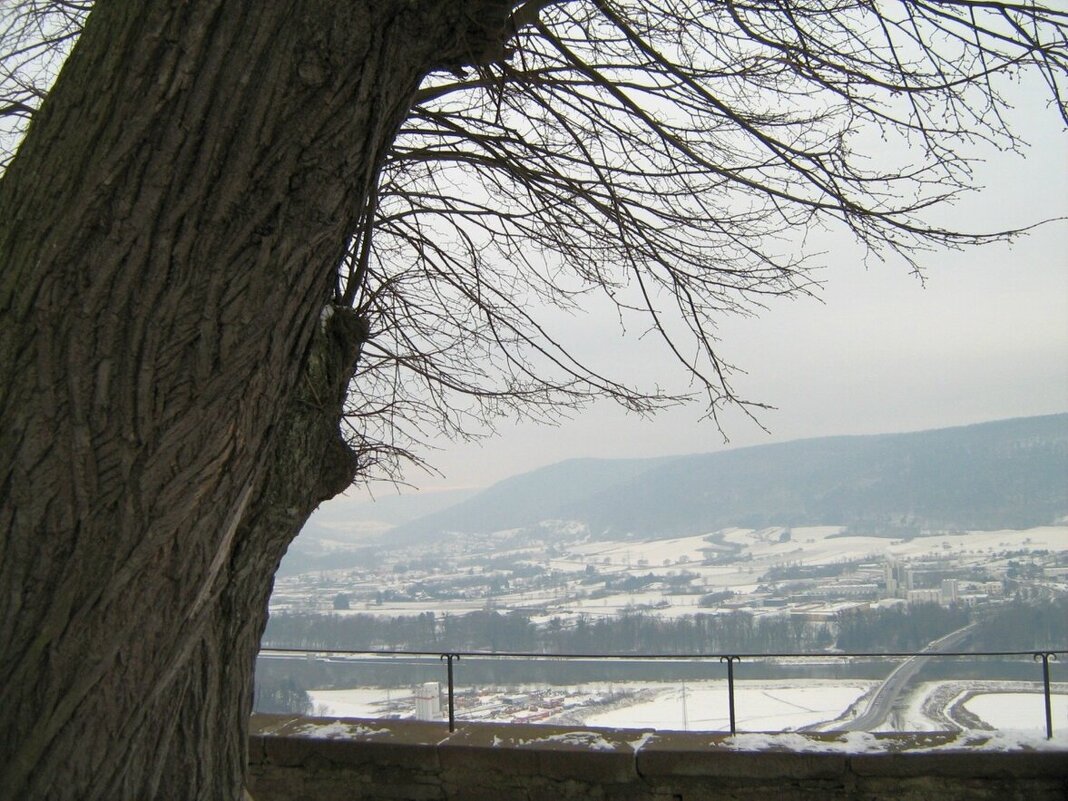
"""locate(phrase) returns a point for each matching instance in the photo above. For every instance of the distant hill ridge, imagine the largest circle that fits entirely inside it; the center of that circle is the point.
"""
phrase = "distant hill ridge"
(1002, 474)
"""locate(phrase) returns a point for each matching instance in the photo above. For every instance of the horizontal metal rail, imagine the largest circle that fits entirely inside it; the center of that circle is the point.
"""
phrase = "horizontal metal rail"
(449, 657)
(653, 657)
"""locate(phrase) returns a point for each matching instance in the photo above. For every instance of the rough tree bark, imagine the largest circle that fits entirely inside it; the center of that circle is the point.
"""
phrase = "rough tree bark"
(310, 462)
(169, 385)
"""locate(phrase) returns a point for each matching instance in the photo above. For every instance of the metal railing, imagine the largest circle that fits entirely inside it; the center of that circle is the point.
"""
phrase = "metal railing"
(450, 658)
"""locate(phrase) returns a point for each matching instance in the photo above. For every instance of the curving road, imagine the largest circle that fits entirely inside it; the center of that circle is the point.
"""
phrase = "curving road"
(882, 702)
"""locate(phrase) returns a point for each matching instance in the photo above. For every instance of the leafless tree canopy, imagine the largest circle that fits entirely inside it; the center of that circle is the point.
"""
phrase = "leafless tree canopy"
(35, 37)
(667, 156)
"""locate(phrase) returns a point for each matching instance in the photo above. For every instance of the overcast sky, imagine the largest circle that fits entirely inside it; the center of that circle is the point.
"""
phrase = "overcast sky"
(986, 338)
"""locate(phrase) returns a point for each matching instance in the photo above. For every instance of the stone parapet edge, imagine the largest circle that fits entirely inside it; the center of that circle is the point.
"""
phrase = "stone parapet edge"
(618, 756)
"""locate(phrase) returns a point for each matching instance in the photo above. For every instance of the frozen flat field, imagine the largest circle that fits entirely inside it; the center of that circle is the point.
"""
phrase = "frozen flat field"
(367, 702)
(698, 706)
(999, 705)
(808, 545)
(1019, 711)
(759, 706)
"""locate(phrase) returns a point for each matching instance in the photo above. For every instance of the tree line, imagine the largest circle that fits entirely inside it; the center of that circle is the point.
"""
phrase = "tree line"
(633, 632)
(1024, 625)
(899, 628)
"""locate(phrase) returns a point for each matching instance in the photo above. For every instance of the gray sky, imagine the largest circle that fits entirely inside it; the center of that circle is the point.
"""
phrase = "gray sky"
(986, 338)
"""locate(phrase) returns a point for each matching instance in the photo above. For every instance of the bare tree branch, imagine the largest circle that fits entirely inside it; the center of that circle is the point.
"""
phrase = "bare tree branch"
(668, 157)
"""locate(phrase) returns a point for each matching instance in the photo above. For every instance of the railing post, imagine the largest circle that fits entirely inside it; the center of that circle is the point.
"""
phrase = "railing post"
(1045, 656)
(450, 658)
(730, 660)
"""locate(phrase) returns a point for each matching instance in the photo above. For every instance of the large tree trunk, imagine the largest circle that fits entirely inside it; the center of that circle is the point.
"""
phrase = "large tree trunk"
(169, 386)
(310, 462)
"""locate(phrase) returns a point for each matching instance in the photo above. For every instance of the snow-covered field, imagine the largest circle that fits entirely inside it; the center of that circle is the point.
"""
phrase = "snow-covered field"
(811, 546)
(697, 706)
(760, 706)
(1019, 711)
(362, 702)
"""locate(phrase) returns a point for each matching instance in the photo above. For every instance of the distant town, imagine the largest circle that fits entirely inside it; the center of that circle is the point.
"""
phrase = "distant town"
(812, 574)
(556, 590)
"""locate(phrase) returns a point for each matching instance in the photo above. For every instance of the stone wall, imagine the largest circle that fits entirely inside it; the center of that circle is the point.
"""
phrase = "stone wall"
(294, 759)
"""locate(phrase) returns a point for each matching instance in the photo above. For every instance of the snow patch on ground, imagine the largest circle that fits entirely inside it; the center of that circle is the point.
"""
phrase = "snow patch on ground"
(338, 729)
(859, 742)
(1007, 741)
(586, 739)
(855, 742)
(850, 742)
(641, 741)
(583, 739)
